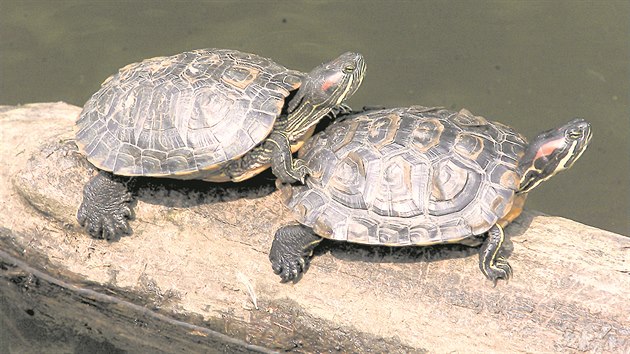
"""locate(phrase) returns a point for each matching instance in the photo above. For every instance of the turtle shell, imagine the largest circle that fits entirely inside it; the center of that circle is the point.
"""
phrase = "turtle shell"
(184, 115)
(408, 176)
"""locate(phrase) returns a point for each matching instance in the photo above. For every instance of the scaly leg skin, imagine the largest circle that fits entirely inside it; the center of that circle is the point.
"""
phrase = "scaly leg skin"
(283, 165)
(290, 251)
(276, 150)
(494, 267)
(106, 208)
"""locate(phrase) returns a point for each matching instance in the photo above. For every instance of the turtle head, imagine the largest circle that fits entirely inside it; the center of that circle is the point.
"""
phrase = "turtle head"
(553, 151)
(325, 87)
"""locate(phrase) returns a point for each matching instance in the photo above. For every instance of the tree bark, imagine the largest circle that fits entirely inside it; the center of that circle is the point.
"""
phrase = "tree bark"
(194, 276)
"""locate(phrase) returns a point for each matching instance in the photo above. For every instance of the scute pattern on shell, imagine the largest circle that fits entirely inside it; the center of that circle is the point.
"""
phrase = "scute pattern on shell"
(408, 176)
(180, 115)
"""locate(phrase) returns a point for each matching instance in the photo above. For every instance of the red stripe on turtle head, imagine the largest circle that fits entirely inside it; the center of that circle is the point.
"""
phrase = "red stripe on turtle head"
(331, 80)
(550, 147)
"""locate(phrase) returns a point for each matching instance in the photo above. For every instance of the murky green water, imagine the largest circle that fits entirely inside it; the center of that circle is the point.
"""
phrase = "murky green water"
(530, 64)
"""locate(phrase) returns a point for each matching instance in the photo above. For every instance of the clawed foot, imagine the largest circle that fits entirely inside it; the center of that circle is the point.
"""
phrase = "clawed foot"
(501, 269)
(106, 207)
(290, 251)
(288, 267)
(297, 172)
(340, 110)
(492, 265)
(283, 165)
(106, 223)
(300, 170)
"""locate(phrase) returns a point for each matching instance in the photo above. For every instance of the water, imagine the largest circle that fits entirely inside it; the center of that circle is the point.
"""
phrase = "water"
(529, 64)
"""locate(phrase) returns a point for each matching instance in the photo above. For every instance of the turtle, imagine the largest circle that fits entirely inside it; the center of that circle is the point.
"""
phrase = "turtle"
(418, 176)
(212, 114)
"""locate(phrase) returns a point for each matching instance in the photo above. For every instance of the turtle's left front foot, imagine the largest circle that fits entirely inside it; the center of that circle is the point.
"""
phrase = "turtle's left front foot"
(340, 110)
(283, 165)
(106, 206)
(290, 251)
(493, 266)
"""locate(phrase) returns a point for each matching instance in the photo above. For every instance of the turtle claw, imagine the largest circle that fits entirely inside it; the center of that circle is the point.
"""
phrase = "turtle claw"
(340, 110)
(288, 267)
(297, 173)
(106, 207)
(290, 251)
(286, 168)
(500, 270)
(104, 224)
(302, 170)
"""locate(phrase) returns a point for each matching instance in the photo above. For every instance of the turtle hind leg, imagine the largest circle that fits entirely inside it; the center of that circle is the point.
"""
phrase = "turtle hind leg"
(106, 206)
(290, 251)
(494, 266)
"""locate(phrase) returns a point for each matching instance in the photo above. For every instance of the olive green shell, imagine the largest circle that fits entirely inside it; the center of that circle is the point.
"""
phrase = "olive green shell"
(184, 115)
(408, 176)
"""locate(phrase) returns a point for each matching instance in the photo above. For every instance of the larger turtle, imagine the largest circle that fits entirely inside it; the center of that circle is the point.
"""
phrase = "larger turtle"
(419, 176)
(210, 114)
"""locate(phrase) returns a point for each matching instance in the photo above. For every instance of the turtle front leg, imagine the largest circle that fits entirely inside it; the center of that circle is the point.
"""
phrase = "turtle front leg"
(493, 266)
(342, 109)
(106, 206)
(283, 165)
(290, 251)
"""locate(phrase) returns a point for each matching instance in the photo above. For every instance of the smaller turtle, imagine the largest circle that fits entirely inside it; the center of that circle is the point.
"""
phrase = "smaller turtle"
(418, 176)
(209, 114)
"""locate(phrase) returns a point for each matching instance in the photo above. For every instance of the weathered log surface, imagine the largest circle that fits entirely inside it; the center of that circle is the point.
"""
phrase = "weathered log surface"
(196, 250)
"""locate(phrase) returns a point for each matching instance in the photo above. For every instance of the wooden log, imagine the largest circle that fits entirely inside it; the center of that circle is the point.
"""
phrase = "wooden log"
(195, 276)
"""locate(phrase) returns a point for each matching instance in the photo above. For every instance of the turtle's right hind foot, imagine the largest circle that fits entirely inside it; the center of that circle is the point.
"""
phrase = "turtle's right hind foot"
(106, 207)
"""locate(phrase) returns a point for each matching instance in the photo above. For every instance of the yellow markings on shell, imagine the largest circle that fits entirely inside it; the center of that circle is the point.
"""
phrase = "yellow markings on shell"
(251, 173)
(427, 134)
(242, 84)
(514, 211)
(510, 180)
(464, 140)
(392, 120)
(322, 229)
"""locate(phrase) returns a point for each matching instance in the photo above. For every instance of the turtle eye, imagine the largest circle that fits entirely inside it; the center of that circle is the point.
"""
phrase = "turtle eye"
(349, 68)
